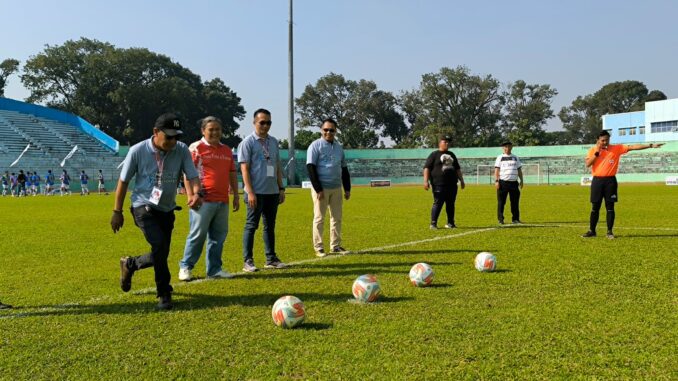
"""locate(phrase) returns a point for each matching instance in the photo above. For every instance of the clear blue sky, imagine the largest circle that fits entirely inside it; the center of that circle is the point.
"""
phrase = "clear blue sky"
(575, 46)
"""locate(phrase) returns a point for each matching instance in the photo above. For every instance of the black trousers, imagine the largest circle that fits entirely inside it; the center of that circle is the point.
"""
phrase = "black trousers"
(511, 189)
(157, 227)
(443, 194)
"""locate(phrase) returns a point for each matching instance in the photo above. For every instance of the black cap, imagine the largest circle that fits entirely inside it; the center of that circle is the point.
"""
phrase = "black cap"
(506, 143)
(446, 138)
(170, 124)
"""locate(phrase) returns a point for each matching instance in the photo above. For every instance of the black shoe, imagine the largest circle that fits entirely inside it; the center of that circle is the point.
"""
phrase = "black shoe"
(501, 222)
(589, 234)
(4, 306)
(610, 235)
(125, 275)
(517, 222)
(433, 227)
(450, 226)
(165, 302)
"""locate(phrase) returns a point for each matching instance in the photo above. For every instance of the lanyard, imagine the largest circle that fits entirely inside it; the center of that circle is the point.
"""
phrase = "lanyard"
(161, 165)
(264, 146)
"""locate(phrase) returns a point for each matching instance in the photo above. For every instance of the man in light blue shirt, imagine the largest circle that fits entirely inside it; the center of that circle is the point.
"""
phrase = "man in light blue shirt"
(327, 170)
(155, 165)
(261, 170)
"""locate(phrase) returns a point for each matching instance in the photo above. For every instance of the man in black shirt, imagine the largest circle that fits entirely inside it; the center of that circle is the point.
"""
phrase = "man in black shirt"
(442, 171)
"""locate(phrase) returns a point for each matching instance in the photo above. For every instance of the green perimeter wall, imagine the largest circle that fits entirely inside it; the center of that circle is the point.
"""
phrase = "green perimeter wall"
(557, 164)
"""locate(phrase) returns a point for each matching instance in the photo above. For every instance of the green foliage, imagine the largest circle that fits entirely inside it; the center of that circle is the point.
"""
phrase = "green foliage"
(583, 118)
(527, 108)
(302, 139)
(457, 103)
(7, 68)
(124, 90)
(559, 306)
(361, 110)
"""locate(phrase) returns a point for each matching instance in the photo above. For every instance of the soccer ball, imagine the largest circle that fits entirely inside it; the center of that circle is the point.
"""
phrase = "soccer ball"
(366, 288)
(288, 312)
(421, 275)
(485, 262)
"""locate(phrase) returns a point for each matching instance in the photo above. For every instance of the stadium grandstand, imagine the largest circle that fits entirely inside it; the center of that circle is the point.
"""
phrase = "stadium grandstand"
(51, 135)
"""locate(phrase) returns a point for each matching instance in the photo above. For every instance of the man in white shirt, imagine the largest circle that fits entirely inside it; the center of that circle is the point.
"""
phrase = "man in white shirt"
(507, 172)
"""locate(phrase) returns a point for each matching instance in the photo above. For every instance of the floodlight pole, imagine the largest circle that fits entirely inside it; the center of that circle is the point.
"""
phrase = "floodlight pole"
(291, 164)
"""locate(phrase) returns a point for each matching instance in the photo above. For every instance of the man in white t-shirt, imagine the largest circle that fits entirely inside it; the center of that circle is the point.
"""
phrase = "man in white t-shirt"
(507, 172)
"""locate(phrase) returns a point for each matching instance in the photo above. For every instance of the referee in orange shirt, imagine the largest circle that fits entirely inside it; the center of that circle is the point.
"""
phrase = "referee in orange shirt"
(603, 159)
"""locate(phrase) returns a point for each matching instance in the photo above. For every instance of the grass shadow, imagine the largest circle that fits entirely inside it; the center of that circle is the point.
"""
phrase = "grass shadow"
(646, 235)
(366, 265)
(182, 302)
(314, 326)
(438, 285)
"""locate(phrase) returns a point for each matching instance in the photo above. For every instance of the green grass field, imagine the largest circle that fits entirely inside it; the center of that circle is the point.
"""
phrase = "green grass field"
(559, 306)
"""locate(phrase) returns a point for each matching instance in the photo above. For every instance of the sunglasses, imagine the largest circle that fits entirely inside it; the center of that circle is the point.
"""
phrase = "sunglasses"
(329, 130)
(265, 123)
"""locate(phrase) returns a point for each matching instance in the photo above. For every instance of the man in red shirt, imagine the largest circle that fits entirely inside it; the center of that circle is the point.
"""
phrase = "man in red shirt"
(603, 159)
(214, 162)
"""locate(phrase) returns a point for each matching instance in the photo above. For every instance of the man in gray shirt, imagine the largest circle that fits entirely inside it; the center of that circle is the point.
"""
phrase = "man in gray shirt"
(327, 171)
(155, 165)
(261, 170)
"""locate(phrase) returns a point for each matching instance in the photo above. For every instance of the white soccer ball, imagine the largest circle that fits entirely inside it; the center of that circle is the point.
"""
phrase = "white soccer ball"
(366, 288)
(485, 262)
(288, 312)
(421, 275)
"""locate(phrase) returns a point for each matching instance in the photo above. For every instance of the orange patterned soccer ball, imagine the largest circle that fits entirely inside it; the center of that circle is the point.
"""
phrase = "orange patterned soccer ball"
(366, 288)
(421, 275)
(485, 262)
(288, 312)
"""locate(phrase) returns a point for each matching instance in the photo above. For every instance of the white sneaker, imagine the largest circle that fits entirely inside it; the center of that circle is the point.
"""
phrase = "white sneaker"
(185, 275)
(221, 275)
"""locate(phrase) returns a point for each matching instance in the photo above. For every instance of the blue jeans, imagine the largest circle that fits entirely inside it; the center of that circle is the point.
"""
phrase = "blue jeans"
(211, 222)
(267, 205)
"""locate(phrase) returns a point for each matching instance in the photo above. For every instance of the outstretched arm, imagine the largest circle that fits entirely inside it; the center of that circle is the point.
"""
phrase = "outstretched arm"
(638, 147)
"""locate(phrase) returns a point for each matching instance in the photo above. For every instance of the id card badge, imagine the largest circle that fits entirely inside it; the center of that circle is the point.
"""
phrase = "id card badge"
(269, 171)
(155, 195)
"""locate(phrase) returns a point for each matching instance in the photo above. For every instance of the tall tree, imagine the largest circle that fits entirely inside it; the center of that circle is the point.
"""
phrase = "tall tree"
(302, 139)
(583, 118)
(362, 111)
(526, 108)
(454, 102)
(7, 68)
(124, 90)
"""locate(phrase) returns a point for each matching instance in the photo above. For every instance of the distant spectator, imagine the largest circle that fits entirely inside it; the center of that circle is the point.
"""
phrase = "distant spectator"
(49, 183)
(65, 183)
(35, 181)
(21, 178)
(102, 183)
(84, 179)
(13, 184)
(5, 183)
